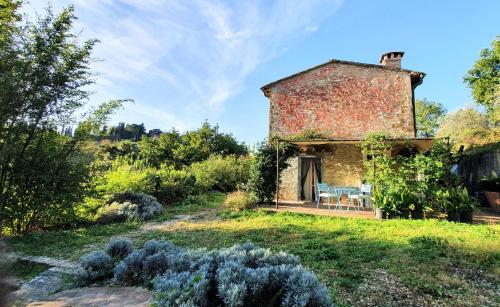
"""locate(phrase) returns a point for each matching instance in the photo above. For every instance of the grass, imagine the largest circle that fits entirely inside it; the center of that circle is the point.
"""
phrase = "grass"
(26, 270)
(435, 259)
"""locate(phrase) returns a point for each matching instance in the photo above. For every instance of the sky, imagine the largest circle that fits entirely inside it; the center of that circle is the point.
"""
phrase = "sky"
(186, 61)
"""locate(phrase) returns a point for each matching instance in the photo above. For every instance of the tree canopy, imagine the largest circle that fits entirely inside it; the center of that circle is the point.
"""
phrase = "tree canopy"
(427, 114)
(468, 127)
(484, 80)
(44, 79)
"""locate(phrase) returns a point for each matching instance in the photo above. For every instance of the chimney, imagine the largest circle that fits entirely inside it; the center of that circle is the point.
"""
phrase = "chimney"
(392, 59)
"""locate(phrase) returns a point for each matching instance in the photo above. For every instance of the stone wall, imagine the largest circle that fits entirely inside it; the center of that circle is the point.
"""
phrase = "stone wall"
(344, 167)
(341, 166)
(343, 101)
(289, 183)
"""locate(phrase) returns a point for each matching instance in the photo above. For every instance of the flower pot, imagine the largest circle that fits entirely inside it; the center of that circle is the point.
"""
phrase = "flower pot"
(453, 216)
(417, 214)
(380, 214)
(466, 216)
(493, 199)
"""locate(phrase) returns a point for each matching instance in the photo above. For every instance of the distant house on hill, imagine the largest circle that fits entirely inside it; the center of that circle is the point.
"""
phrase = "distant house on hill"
(154, 132)
(341, 101)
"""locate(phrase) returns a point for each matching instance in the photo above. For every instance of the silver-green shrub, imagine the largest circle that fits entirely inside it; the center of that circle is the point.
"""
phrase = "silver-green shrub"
(154, 246)
(242, 275)
(129, 206)
(119, 248)
(96, 266)
(130, 270)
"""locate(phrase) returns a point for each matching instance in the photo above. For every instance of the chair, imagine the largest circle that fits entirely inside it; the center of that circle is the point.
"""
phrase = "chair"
(323, 190)
(364, 194)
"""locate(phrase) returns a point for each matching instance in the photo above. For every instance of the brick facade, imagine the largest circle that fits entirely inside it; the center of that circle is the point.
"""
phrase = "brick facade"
(341, 101)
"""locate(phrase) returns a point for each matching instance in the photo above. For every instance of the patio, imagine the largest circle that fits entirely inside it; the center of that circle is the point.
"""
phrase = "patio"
(483, 215)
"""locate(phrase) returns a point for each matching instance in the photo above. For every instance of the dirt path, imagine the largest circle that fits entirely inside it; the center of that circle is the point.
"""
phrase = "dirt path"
(206, 215)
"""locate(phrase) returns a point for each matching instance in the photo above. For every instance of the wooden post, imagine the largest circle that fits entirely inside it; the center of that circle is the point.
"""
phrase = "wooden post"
(277, 173)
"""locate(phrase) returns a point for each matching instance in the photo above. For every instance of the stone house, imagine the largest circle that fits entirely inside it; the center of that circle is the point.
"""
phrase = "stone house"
(341, 102)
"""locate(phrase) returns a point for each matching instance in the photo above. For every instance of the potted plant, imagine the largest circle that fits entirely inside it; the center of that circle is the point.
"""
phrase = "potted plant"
(491, 187)
(459, 206)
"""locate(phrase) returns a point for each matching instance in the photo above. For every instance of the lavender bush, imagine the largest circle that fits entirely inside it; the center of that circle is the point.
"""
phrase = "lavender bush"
(242, 275)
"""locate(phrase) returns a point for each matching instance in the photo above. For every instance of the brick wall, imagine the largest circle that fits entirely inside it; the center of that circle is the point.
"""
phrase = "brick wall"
(343, 101)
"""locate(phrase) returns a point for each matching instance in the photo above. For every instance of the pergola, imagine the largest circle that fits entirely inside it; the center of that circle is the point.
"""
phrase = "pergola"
(421, 144)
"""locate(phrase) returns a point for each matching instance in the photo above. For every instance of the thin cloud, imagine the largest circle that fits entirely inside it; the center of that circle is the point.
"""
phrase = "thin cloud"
(202, 51)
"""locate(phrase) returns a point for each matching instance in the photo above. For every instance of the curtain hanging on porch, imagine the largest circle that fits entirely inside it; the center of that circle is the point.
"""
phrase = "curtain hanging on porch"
(310, 176)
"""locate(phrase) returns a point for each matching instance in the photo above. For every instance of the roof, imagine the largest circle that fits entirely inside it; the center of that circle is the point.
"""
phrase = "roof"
(418, 74)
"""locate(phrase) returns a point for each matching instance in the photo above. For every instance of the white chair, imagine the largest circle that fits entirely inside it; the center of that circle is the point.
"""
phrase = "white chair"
(357, 199)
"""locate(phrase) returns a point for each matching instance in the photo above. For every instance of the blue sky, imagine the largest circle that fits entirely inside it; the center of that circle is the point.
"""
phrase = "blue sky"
(186, 61)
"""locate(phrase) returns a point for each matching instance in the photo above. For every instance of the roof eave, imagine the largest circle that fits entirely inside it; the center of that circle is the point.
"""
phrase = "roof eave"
(266, 88)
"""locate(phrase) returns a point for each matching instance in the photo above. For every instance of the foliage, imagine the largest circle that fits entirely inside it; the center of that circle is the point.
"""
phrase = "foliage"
(219, 173)
(172, 184)
(123, 131)
(241, 200)
(415, 183)
(179, 150)
(119, 248)
(490, 183)
(97, 266)
(468, 127)
(129, 206)
(243, 275)
(262, 177)
(484, 80)
(351, 248)
(129, 270)
(160, 150)
(45, 73)
(427, 116)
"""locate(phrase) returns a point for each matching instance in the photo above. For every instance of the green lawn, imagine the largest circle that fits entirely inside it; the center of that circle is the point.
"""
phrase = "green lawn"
(434, 261)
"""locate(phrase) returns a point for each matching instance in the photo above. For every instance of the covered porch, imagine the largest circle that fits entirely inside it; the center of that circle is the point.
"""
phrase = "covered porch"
(336, 163)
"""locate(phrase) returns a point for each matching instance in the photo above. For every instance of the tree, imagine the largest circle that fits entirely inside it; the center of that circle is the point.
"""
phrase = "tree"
(45, 72)
(484, 80)
(468, 127)
(427, 114)
(262, 177)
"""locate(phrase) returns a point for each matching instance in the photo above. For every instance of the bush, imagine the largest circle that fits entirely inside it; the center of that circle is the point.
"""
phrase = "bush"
(129, 206)
(242, 275)
(241, 200)
(171, 184)
(130, 270)
(127, 177)
(119, 248)
(221, 173)
(262, 175)
(96, 266)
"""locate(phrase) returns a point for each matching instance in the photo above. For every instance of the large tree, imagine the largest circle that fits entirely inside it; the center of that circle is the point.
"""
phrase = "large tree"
(44, 75)
(484, 80)
(428, 113)
(468, 127)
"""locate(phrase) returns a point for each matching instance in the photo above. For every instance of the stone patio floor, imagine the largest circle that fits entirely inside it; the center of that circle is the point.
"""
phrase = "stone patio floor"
(481, 216)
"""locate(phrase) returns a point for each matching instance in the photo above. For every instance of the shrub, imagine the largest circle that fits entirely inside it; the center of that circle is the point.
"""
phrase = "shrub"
(242, 275)
(241, 200)
(130, 270)
(155, 264)
(262, 175)
(172, 184)
(96, 266)
(221, 173)
(153, 246)
(119, 248)
(129, 206)
(127, 177)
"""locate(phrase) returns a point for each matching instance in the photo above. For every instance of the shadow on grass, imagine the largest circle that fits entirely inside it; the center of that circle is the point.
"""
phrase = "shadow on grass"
(347, 253)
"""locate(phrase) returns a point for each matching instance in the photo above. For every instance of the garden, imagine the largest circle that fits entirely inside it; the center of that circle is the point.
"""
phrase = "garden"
(184, 215)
